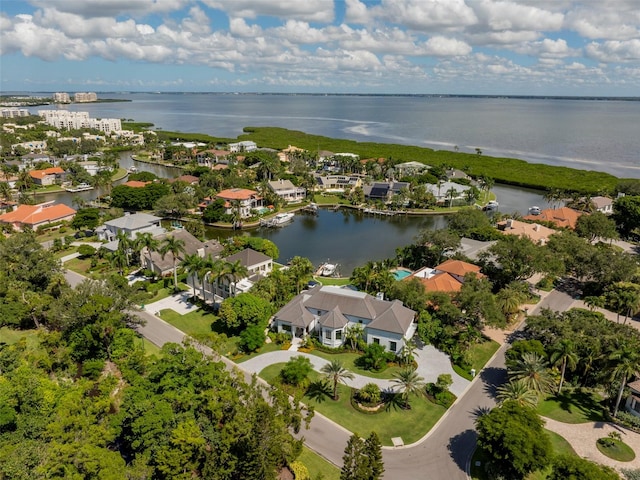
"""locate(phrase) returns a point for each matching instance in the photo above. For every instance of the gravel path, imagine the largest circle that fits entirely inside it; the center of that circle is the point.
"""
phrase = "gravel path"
(583, 437)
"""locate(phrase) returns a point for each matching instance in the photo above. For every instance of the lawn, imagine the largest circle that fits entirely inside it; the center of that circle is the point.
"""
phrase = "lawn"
(193, 323)
(150, 348)
(411, 425)
(575, 406)
(318, 466)
(479, 355)
(348, 361)
(328, 199)
(615, 449)
(332, 281)
(559, 445)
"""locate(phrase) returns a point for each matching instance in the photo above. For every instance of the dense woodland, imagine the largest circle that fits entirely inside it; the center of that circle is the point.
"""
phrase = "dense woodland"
(81, 400)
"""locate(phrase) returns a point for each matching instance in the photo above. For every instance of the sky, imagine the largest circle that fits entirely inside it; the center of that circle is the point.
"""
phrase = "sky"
(494, 47)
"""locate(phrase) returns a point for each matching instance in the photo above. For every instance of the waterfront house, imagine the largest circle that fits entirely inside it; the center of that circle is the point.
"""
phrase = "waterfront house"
(459, 269)
(563, 217)
(410, 168)
(35, 216)
(164, 266)
(534, 231)
(241, 198)
(633, 401)
(258, 265)
(135, 184)
(244, 146)
(443, 190)
(212, 157)
(132, 225)
(327, 312)
(31, 159)
(447, 277)
(287, 191)
(384, 190)
(603, 204)
(48, 176)
(287, 154)
(337, 183)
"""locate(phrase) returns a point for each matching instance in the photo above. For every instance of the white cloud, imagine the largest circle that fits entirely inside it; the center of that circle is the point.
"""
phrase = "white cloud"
(614, 51)
(446, 47)
(315, 11)
(619, 20)
(510, 15)
(425, 15)
(356, 12)
(112, 8)
(548, 48)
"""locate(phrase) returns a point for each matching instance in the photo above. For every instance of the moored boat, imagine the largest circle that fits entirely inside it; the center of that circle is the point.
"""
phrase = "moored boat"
(81, 187)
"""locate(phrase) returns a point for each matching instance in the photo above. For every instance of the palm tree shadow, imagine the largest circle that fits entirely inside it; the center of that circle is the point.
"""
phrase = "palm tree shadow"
(480, 411)
(319, 391)
(393, 401)
(461, 447)
(492, 378)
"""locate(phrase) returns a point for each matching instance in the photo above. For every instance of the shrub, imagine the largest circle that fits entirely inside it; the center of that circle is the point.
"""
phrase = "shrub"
(374, 357)
(629, 420)
(92, 368)
(252, 338)
(296, 370)
(369, 394)
(299, 470)
(86, 251)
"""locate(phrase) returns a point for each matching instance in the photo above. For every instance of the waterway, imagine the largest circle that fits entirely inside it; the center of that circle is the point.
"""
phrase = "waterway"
(346, 237)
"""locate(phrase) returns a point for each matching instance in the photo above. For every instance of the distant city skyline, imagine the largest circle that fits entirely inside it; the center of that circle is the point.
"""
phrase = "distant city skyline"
(473, 47)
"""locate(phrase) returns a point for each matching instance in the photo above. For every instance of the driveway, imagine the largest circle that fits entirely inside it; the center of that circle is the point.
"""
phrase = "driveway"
(178, 302)
(431, 363)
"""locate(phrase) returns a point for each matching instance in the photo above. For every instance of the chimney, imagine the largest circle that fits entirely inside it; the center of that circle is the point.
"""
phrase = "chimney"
(509, 223)
(537, 227)
(380, 296)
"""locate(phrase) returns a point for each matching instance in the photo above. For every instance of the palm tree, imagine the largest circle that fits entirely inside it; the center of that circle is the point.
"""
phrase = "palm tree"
(451, 194)
(408, 351)
(174, 246)
(408, 382)
(531, 369)
(336, 373)
(509, 300)
(124, 245)
(626, 365)
(593, 302)
(5, 191)
(193, 264)
(148, 242)
(519, 393)
(210, 272)
(234, 271)
(119, 260)
(354, 333)
(564, 353)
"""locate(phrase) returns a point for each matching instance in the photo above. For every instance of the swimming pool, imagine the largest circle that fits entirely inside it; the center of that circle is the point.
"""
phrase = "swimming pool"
(400, 274)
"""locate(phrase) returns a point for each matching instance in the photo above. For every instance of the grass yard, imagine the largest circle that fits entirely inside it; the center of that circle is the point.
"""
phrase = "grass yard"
(560, 447)
(575, 406)
(328, 199)
(318, 466)
(193, 323)
(615, 449)
(411, 425)
(332, 281)
(479, 354)
(349, 359)
(150, 348)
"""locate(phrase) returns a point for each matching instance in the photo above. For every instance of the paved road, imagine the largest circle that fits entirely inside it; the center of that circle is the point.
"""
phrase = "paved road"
(442, 455)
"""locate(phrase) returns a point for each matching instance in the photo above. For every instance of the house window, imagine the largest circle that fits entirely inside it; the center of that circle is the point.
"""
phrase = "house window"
(376, 340)
(635, 405)
(327, 334)
(286, 328)
(393, 346)
(338, 334)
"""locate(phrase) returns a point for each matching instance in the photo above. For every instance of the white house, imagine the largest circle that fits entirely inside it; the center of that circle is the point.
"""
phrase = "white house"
(131, 225)
(288, 191)
(245, 146)
(633, 402)
(245, 200)
(441, 191)
(328, 312)
(603, 204)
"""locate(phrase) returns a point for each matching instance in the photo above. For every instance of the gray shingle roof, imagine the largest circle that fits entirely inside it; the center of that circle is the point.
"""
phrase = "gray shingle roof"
(248, 257)
(333, 319)
(133, 222)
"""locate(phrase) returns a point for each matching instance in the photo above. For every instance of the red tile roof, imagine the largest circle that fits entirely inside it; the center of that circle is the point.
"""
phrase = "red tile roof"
(40, 174)
(458, 267)
(236, 194)
(442, 282)
(136, 184)
(562, 217)
(37, 214)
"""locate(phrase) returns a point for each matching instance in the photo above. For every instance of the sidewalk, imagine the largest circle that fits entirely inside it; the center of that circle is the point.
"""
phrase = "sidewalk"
(583, 437)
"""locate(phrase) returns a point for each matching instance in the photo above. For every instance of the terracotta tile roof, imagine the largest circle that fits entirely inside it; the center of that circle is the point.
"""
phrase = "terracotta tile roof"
(219, 166)
(40, 174)
(534, 231)
(185, 178)
(634, 386)
(458, 267)
(562, 217)
(36, 214)
(136, 184)
(236, 194)
(442, 282)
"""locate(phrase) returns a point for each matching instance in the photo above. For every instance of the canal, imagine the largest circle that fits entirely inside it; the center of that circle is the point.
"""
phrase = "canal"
(346, 237)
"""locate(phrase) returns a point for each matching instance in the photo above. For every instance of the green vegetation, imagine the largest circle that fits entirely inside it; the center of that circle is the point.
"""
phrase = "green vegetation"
(318, 466)
(503, 170)
(575, 406)
(11, 336)
(394, 421)
(478, 356)
(349, 361)
(615, 449)
(332, 281)
(166, 135)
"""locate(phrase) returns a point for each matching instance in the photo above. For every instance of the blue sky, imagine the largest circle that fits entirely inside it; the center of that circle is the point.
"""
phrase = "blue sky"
(510, 47)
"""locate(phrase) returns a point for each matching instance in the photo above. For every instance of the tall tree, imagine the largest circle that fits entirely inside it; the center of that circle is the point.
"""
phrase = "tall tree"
(408, 382)
(335, 372)
(174, 246)
(193, 264)
(517, 391)
(151, 244)
(626, 365)
(564, 353)
(532, 370)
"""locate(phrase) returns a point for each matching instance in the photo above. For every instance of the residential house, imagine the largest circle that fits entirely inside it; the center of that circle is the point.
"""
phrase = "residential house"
(32, 146)
(603, 204)
(337, 183)
(258, 265)
(209, 158)
(534, 231)
(31, 159)
(35, 216)
(447, 277)
(48, 176)
(130, 224)
(328, 312)
(289, 153)
(564, 217)
(243, 199)
(384, 190)
(633, 401)
(287, 191)
(244, 146)
(190, 179)
(164, 266)
(410, 168)
(443, 190)
(135, 184)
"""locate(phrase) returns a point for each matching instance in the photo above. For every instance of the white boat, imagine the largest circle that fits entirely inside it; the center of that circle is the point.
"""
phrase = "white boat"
(133, 169)
(491, 205)
(534, 210)
(282, 218)
(328, 269)
(81, 187)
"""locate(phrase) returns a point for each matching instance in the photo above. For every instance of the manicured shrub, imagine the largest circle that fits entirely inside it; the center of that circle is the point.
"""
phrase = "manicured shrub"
(296, 370)
(299, 470)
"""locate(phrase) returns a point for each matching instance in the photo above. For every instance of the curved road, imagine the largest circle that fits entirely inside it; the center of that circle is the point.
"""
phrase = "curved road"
(443, 454)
